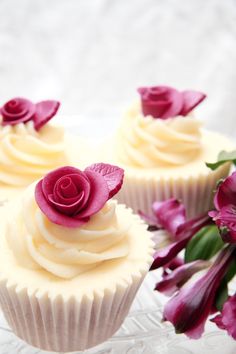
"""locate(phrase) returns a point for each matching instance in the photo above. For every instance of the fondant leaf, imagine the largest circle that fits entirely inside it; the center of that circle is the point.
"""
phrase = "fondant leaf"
(45, 110)
(113, 175)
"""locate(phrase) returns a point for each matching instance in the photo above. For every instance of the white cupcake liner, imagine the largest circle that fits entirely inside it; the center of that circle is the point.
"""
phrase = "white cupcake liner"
(56, 324)
(196, 192)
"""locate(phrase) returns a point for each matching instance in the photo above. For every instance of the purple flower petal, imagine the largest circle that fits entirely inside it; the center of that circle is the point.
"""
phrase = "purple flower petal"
(218, 321)
(184, 233)
(174, 263)
(166, 254)
(45, 110)
(227, 319)
(225, 219)
(113, 175)
(150, 219)
(190, 308)
(191, 99)
(225, 214)
(173, 281)
(226, 192)
(170, 214)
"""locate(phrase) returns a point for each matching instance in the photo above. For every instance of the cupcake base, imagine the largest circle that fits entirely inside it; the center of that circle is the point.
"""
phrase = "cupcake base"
(72, 325)
(196, 192)
(67, 315)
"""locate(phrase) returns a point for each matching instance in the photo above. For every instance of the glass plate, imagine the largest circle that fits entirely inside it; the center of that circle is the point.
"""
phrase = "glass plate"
(143, 332)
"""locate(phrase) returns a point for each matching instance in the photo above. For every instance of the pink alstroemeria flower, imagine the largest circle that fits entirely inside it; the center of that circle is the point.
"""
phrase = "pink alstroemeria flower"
(171, 282)
(183, 232)
(170, 216)
(227, 319)
(189, 309)
(225, 214)
(172, 265)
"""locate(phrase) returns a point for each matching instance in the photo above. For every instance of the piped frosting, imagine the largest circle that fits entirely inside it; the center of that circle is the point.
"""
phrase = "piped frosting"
(39, 244)
(27, 154)
(148, 143)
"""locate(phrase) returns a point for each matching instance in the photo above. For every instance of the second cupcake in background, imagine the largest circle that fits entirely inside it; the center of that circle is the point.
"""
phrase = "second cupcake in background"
(30, 146)
(163, 149)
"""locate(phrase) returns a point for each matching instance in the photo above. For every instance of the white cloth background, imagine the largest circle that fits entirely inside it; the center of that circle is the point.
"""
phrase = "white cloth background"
(93, 54)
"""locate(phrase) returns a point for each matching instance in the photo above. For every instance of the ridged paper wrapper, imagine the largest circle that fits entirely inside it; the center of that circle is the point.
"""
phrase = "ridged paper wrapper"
(51, 321)
(139, 191)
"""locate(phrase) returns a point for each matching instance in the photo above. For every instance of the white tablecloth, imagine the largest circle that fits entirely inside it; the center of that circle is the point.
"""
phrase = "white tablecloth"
(93, 54)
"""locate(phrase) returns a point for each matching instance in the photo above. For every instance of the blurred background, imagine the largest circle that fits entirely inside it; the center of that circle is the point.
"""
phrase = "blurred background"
(92, 55)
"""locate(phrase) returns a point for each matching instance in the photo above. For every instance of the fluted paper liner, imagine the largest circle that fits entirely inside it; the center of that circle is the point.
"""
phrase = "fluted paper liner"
(51, 322)
(196, 191)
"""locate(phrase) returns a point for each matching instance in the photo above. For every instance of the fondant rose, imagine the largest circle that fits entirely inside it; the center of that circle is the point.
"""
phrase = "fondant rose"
(20, 110)
(68, 196)
(166, 102)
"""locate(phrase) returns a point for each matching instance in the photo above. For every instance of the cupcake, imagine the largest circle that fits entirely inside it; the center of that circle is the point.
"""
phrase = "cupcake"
(72, 260)
(29, 145)
(163, 149)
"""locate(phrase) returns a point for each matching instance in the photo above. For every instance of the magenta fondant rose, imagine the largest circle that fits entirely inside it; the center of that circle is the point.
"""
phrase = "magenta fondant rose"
(69, 197)
(166, 102)
(20, 110)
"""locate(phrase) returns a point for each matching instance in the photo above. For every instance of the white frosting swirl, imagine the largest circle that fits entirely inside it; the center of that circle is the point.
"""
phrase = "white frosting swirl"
(148, 142)
(26, 155)
(39, 244)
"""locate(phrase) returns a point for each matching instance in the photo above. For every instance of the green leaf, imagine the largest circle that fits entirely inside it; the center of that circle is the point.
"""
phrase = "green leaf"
(221, 295)
(204, 245)
(222, 158)
(231, 271)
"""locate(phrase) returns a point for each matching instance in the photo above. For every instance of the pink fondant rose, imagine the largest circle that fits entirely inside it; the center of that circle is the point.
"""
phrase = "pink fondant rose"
(166, 102)
(68, 196)
(21, 110)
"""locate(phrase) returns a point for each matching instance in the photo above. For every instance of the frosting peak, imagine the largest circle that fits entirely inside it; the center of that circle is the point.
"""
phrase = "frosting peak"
(39, 244)
(154, 143)
(27, 154)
